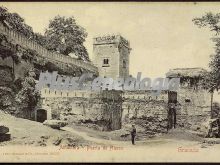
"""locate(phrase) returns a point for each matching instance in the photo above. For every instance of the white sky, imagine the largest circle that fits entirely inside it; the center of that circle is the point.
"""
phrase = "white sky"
(162, 35)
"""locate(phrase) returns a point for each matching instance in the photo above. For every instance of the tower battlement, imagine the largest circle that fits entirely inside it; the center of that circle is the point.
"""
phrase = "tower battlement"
(111, 39)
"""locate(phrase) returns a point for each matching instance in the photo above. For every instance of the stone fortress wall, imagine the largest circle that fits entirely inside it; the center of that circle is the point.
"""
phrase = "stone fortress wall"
(111, 110)
(133, 99)
(140, 106)
(101, 110)
(20, 69)
(114, 108)
(149, 113)
(194, 107)
(20, 39)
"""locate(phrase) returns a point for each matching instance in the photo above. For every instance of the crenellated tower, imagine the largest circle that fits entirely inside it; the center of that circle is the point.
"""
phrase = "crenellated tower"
(111, 56)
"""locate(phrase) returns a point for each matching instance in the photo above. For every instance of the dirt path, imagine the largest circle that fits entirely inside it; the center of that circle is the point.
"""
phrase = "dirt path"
(153, 142)
(85, 136)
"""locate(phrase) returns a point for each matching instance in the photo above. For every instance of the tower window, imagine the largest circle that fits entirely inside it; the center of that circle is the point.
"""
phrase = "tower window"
(124, 64)
(105, 62)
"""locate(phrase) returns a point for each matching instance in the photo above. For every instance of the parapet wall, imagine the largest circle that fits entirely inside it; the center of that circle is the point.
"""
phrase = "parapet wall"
(145, 95)
(110, 40)
(111, 95)
(20, 39)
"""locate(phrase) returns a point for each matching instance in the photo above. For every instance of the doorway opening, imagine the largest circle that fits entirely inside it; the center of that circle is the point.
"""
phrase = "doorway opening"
(41, 115)
(171, 116)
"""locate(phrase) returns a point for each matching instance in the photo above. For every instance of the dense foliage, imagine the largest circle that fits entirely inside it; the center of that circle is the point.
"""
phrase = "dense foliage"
(65, 36)
(212, 21)
(28, 97)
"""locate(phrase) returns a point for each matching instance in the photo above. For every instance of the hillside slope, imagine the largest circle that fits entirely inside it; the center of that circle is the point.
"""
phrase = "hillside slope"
(26, 132)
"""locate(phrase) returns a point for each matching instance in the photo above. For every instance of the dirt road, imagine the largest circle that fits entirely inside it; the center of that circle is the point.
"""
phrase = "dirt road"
(176, 146)
(148, 143)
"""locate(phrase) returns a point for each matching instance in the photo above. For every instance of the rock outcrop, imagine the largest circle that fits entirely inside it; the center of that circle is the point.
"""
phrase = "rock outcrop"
(4, 133)
(55, 123)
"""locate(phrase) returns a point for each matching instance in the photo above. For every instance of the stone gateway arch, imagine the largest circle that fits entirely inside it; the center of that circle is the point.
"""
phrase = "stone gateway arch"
(42, 113)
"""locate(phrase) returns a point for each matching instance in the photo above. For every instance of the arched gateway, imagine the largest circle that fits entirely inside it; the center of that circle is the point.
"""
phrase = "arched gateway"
(42, 113)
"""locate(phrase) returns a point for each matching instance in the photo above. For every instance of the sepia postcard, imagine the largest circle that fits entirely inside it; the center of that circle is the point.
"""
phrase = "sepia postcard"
(109, 82)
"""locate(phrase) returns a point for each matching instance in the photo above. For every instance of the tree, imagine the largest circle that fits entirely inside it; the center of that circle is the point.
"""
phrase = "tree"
(65, 36)
(212, 21)
(216, 110)
(209, 20)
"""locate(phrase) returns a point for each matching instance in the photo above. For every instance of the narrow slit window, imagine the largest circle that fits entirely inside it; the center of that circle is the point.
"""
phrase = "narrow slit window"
(124, 64)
